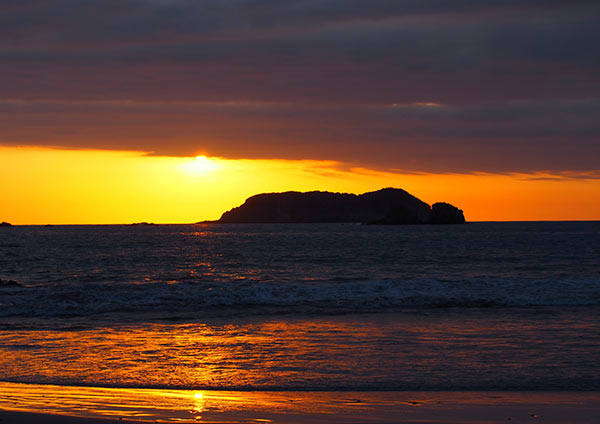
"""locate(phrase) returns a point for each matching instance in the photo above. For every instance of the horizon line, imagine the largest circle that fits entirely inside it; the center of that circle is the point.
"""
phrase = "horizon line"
(216, 221)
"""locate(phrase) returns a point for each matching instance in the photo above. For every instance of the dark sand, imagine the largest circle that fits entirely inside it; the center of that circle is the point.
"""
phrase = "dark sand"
(12, 417)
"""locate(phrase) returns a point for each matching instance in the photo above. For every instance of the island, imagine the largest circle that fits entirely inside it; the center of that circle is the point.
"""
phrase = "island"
(388, 206)
(5, 224)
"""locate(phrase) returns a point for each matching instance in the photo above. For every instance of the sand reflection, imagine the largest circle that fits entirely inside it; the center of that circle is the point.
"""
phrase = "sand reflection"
(186, 406)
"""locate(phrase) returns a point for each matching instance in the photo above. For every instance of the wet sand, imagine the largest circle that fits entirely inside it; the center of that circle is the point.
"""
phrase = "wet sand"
(12, 417)
(24, 403)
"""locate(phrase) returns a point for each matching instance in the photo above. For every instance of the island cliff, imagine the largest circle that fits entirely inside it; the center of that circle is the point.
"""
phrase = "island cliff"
(386, 206)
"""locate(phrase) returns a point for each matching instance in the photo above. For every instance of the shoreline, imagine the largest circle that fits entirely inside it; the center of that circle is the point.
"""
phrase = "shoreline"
(33, 403)
(18, 417)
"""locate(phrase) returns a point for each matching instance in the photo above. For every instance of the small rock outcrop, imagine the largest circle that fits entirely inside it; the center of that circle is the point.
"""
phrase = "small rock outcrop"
(445, 213)
(9, 283)
(389, 206)
(5, 224)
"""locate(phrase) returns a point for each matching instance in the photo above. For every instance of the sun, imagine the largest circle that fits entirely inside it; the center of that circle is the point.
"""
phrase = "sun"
(200, 165)
(204, 164)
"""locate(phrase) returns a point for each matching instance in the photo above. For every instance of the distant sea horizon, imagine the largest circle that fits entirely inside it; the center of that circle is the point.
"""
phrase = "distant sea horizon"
(216, 221)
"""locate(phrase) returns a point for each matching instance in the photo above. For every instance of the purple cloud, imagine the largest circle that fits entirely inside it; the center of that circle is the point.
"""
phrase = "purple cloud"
(309, 79)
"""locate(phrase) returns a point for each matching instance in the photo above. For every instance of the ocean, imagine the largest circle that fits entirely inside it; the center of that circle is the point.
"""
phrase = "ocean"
(303, 307)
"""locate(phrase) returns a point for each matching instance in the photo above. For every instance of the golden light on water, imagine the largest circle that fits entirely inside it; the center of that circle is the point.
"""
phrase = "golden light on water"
(260, 353)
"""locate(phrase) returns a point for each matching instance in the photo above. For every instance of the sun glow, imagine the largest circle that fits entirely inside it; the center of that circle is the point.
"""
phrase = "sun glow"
(54, 186)
(201, 165)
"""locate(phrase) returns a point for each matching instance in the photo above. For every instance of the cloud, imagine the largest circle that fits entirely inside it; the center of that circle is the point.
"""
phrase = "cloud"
(309, 51)
(499, 85)
(499, 137)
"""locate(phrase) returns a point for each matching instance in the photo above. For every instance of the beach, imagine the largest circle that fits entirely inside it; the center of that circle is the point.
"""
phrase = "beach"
(13, 417)
(21, 403)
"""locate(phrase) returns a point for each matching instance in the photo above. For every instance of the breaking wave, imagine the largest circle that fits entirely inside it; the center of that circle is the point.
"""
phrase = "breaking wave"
(249, 297)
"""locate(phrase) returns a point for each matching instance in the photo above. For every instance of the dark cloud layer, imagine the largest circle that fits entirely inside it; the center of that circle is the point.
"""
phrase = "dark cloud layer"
(518, 80)
(516, 136)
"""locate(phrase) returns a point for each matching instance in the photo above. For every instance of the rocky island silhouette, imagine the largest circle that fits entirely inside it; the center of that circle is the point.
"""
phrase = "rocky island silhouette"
(388, 206)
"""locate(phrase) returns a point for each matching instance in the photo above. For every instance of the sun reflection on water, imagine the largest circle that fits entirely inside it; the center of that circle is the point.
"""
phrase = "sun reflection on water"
(181, 406)
(276, 354)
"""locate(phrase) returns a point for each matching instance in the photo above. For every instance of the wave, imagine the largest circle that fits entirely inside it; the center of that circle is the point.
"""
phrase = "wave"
(247, 297)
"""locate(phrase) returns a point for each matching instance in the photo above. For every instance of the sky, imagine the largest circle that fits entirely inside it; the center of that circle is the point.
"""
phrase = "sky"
(105, 105)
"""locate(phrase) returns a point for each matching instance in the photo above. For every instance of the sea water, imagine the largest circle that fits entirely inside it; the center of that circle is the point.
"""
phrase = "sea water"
(315, 307)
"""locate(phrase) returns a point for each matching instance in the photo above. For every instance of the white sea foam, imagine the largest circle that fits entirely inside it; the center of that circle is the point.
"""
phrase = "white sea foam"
(313, 297)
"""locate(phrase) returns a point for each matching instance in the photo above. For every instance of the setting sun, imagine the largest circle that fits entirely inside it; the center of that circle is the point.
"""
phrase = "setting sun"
(200, 165)
(80, 187)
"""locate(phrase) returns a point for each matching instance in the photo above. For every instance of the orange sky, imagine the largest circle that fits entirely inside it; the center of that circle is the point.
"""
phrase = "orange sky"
(44, 185)
(468, 101)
